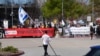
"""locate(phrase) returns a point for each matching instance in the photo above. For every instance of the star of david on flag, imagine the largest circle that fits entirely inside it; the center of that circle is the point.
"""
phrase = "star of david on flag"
(22, 15)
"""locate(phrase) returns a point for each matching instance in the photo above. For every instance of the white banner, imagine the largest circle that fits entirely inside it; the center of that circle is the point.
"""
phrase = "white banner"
(80, 30)
(77, 30)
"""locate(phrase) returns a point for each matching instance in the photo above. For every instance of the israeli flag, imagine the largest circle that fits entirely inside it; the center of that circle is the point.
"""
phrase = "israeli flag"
(22, 15)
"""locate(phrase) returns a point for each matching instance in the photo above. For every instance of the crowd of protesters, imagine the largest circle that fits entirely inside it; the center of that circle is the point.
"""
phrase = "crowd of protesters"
(50, 24)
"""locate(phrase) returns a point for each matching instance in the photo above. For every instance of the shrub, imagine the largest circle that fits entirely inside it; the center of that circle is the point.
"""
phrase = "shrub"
(10, 49)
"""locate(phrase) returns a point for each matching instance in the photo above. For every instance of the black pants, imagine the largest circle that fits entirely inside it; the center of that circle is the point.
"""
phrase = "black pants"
(45, 50)
(91, 34)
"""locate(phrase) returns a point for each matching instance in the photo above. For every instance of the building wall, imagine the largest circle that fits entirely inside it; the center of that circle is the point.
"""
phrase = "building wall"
(6, 7)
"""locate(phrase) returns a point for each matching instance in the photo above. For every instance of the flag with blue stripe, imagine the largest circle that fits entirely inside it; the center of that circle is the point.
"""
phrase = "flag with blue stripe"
(22, 15)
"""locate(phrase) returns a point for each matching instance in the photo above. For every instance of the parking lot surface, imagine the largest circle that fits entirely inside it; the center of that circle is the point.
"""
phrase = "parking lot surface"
(62, 46)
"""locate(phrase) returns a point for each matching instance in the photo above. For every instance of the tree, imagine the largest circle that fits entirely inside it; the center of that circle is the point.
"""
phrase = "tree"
(96, 5)
(72, 9)
(51, 8)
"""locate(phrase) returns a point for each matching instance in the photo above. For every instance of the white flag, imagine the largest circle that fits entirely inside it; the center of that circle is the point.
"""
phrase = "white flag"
(62, 22)
(22, 15)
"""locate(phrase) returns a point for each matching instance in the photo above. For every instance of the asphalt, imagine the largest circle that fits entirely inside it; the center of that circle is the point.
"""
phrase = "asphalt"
(78, 46)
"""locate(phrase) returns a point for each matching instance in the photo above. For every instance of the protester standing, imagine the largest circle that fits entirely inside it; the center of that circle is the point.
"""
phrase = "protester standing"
(2, 31)
(45, 38)
(70, 32)
(91, 32)
(98, 31)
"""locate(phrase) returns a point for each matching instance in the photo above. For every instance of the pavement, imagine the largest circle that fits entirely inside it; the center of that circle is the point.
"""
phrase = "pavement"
(62, 46)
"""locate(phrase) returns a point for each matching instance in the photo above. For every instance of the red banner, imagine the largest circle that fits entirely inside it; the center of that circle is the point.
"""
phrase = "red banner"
(35, 32)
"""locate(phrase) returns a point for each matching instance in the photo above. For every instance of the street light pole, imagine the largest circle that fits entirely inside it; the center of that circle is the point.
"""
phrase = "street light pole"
(93, 10)
(5, 10)
(12, 11)
(62, 9)
(62, 17)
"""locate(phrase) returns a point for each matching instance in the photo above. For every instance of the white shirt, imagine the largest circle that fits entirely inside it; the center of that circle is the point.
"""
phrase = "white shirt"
(45, 39)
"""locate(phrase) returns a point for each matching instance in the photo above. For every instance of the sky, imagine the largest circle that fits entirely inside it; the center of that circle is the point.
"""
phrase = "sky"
(32, 1)
(17, 1)
(84, 1)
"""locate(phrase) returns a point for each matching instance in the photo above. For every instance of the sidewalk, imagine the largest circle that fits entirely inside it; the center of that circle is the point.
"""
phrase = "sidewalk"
(62, 46)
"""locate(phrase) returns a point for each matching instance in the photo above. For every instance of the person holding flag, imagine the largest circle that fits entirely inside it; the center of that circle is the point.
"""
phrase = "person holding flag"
(46, 39)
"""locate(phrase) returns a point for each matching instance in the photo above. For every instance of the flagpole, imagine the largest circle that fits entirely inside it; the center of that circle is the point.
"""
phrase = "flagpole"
(30, 21)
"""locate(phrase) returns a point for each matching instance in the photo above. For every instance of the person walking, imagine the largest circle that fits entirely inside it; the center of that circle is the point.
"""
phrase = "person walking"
(46, 39)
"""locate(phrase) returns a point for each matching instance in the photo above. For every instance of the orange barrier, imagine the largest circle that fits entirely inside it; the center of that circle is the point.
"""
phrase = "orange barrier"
(34, 32)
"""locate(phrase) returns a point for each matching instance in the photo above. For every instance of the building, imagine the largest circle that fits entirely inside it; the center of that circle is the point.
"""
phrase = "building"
(9, 9)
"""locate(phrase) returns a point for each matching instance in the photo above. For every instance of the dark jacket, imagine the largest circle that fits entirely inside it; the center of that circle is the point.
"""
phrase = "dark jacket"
(98, 30)
(92, 30)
